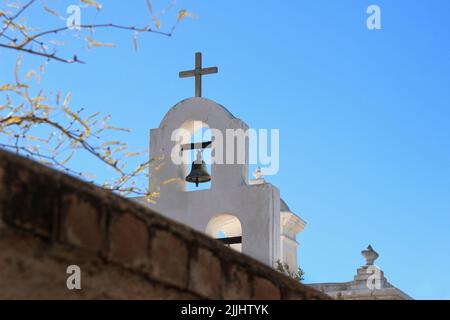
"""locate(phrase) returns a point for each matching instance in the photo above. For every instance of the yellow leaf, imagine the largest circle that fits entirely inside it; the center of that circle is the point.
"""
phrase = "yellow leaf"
(92, 3)
(157, 22)
(183, 14)
(68, 158)
(91, 117)
(116, 129)
(14, 120)
(93, 43)
(168, 181)
(43, 106)
(29, 74)
(52, 12)
(110, 143)
(132, 154)
(6, 87)
(67, 99)
(14, 5)
(3, 107)
(119, 149)
(35, 138)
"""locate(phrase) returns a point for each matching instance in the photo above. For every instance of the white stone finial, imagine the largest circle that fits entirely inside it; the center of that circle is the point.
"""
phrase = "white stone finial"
(370, 255)
(258, 173)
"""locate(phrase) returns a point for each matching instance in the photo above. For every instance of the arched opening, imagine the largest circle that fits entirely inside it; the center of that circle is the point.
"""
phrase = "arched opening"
(225, 226)
(199, 132)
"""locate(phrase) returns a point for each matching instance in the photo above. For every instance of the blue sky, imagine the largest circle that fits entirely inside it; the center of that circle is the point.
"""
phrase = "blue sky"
(364, 116)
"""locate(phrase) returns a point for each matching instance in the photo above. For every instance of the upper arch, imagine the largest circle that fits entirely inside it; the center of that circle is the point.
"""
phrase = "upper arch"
(199, 109)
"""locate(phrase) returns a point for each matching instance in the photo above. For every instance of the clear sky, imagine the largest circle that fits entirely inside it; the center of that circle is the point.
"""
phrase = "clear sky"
(364, 116)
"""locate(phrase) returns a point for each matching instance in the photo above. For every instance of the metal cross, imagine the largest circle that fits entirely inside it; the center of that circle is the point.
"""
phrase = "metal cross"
(198, 72)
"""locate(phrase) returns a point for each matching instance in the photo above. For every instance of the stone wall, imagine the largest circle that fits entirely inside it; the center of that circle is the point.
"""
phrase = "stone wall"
(125, 251)
(369, 283)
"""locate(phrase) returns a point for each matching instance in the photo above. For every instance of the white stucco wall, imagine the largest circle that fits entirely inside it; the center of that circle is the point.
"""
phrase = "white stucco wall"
(256, 206)
(290, 226)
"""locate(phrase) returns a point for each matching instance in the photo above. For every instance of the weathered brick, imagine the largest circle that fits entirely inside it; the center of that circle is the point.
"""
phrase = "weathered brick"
(169, 259)
(305, 294)
(82, 224)
(37, 200)
(3, 194)
(236, 285)
(264, 289)
(30, 201)
(205, 274)
(128, 240)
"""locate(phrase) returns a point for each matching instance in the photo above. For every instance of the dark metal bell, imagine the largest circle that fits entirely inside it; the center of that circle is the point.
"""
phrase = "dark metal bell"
(199, 172)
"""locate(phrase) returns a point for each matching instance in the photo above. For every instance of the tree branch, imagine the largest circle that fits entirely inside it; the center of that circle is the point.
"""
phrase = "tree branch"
(93, 26)
(51, 56)
(11, 19)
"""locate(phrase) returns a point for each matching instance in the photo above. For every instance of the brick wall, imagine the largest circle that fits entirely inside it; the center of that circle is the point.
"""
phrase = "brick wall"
(50, 221)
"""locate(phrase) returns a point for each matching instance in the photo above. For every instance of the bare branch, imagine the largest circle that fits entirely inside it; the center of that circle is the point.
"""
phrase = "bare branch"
(42, 54)
(11, 19)
(53, 133)
(93, 26)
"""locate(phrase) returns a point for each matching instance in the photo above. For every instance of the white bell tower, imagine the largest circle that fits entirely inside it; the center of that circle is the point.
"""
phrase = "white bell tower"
(233, 207)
